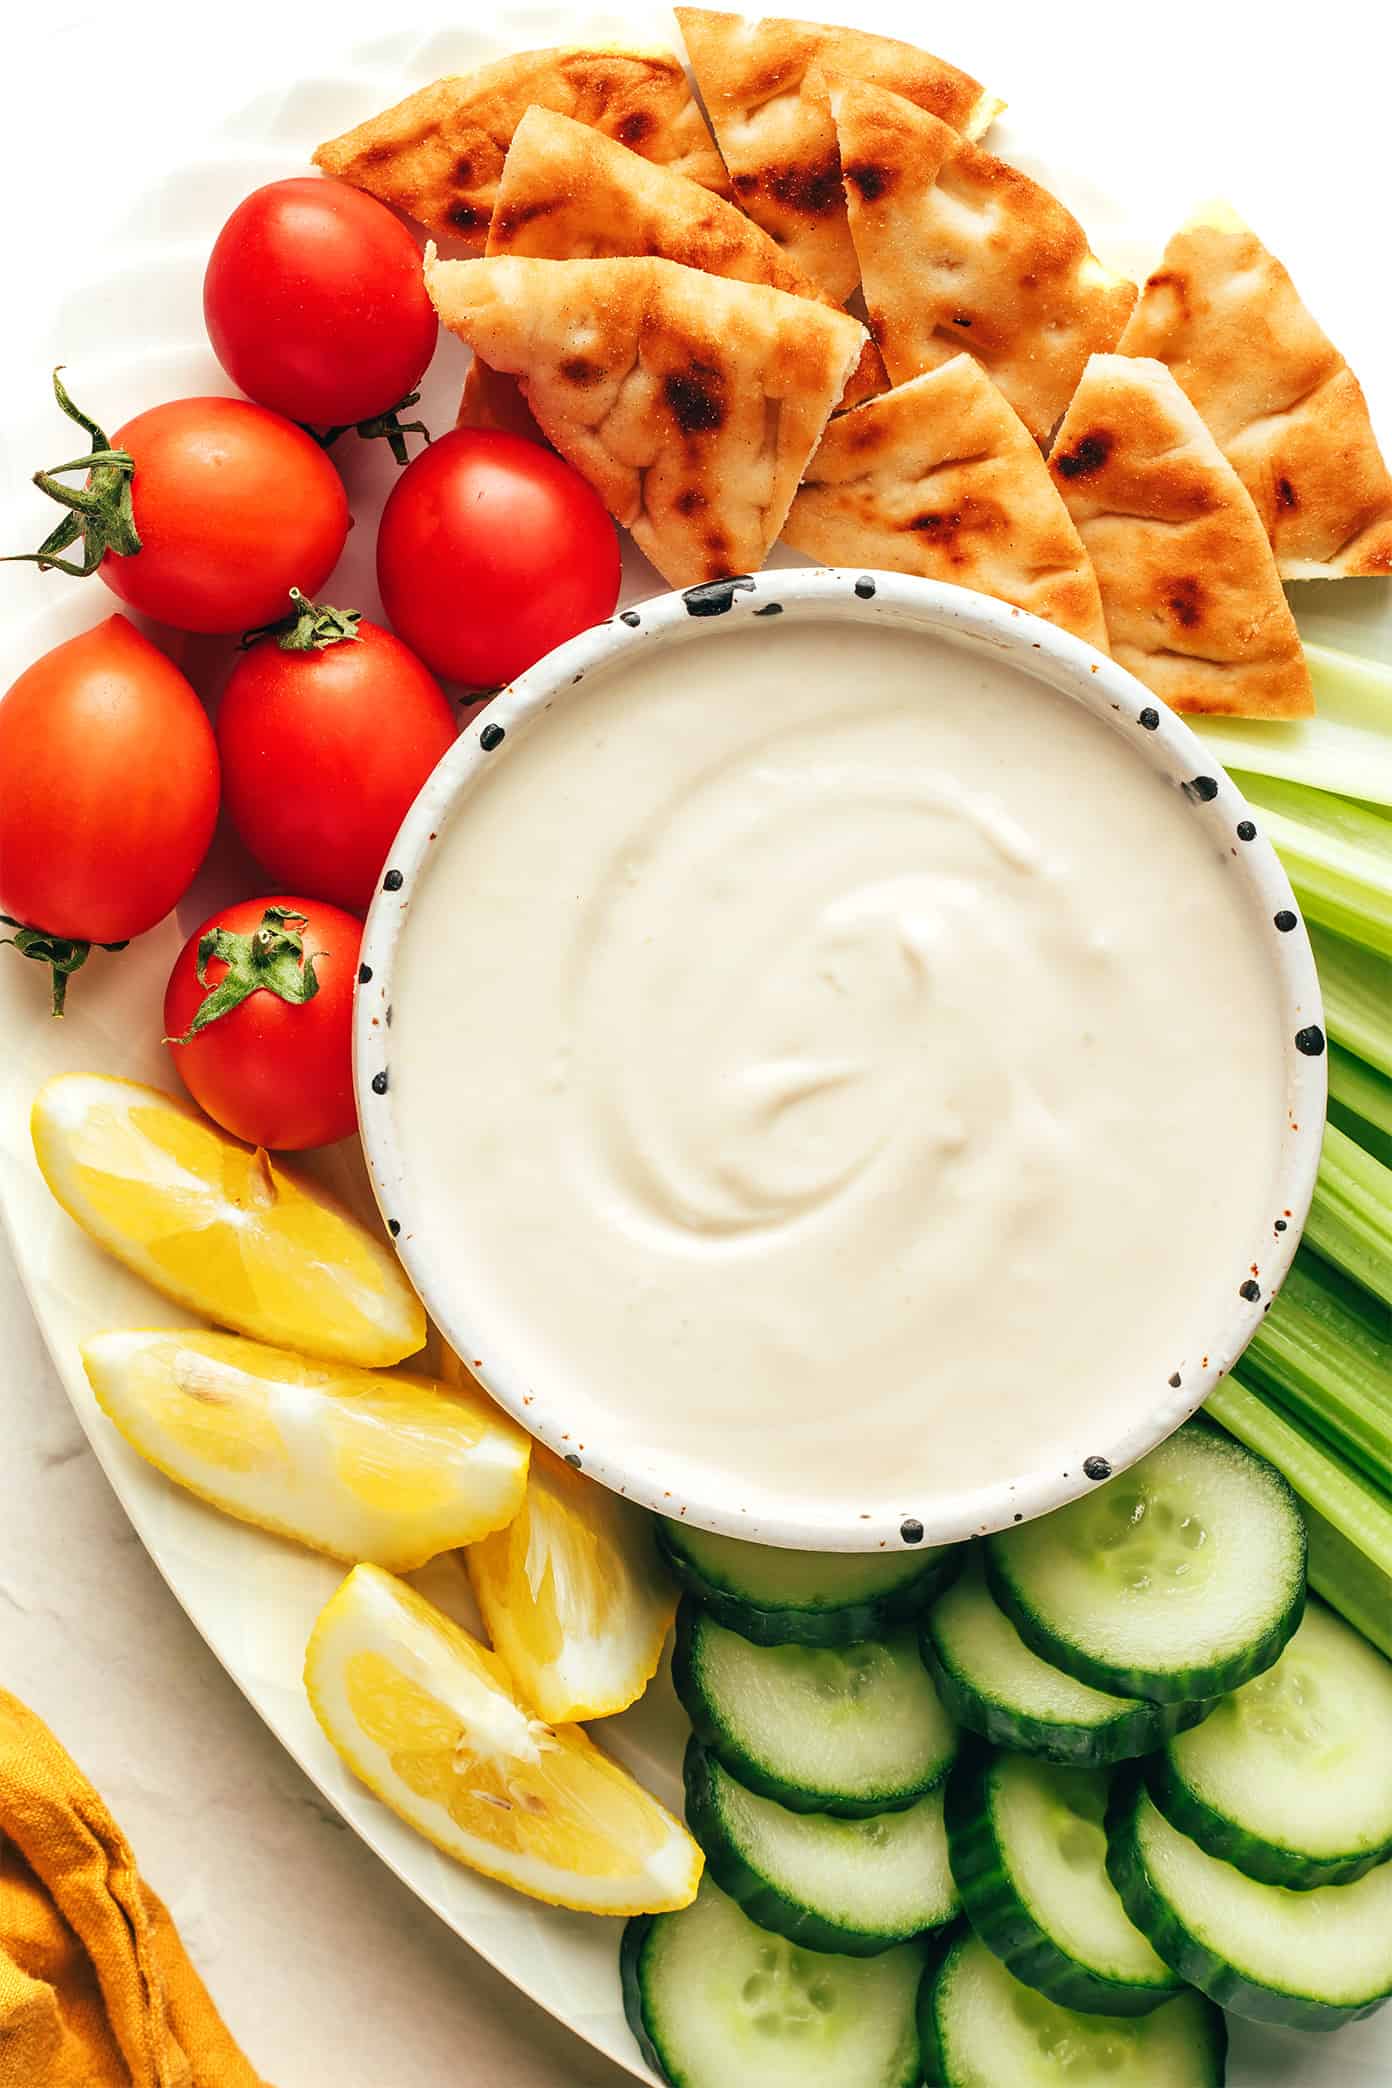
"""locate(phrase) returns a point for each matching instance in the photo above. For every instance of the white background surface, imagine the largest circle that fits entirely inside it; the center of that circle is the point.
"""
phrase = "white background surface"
(327, 1968)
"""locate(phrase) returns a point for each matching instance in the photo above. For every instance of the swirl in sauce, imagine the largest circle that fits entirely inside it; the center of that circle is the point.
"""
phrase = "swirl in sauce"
(845, 1053)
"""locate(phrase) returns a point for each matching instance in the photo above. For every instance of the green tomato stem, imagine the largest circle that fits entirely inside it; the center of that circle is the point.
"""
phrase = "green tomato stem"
(99, 512)
(309, 627)
(63, 954)
(272, 959)
(387, 425)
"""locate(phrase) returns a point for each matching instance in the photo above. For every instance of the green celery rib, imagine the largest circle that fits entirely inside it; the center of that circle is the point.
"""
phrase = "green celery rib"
(1359, 1511)
(1337, 855)
(1345, 747)
(1361, 1103)
(1355, 1587)
(1350, 1219)
(1358, 1088)
(1357, 989)
(1330, 1365)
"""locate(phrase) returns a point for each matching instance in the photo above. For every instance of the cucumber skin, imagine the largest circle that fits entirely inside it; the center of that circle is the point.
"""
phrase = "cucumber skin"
(759, 1896)
(1183, 1685)
(1001, 1919)
(936, 2071)
(826, 1627)
(1122, 1739)
(1263, 1860)
(686, 1681)
(1183, 1952)
(637, 1930)
(936, 2067)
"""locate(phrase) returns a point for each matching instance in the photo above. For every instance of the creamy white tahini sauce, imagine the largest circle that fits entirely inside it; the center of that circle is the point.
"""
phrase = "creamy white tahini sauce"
(823, 1052)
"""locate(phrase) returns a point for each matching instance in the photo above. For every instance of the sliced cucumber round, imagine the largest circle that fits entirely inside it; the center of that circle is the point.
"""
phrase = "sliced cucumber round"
(802, 1598)
(713, 2000)
(1291, 1780)
(980, 2028)
(994, 1685)
(1028, 1850)
(1311, 1960)
(1180, 1579)
(856, 1886)
(839, 1729)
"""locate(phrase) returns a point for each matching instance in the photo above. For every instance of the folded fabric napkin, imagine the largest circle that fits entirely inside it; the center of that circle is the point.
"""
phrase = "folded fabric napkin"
(95, 1988)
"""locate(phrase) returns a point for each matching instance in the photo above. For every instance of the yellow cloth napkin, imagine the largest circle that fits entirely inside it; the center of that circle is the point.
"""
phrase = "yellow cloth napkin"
(95, 1988)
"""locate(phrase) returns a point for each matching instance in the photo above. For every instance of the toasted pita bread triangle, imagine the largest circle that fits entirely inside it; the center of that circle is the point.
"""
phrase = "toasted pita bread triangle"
(690, 403)
(438, 154)
(491, 399)
(568, 193)
(764, 90)
(958, 250)
(1190, 591)
(941, 478)
(1289, 414)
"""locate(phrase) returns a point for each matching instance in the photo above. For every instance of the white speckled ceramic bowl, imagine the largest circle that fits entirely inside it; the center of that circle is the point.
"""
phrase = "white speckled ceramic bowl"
(765, 1505)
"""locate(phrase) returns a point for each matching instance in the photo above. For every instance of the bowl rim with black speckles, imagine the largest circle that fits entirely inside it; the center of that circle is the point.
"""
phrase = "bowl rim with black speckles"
(744, 1504)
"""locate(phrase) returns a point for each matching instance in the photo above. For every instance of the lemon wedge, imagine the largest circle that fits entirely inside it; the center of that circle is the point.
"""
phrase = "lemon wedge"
(391, 1469)
(218, 1226)
(429, 1720)
(574, 1595)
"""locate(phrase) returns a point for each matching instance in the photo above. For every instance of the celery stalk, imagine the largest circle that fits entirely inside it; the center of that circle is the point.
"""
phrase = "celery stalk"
(1351, 1583)
(1345, 747)
(1358, 1089)
(1329, 1363)
(1337, 855)
(1360, 1102)
(1360, 1513)
(1357, 989)
(1350, 1219)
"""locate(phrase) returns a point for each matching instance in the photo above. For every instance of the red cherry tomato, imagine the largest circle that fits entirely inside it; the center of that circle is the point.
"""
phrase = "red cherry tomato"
(234, 507)
(266, 1031)
(323, 750)
(315, 304)
(108, 788)
(493, 550)
(217, 509)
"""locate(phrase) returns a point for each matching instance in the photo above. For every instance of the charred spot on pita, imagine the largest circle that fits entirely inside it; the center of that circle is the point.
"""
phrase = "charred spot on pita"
(814, 191)
(1184, 598)
(1087, 455)
(1286, 495)
(936, 524)
(865, 432)
(464, 170)
(512, 218)
(690, 501)
(465, 218)
(578, 369)
(869, 180)
(633, 128)
(695, 401)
